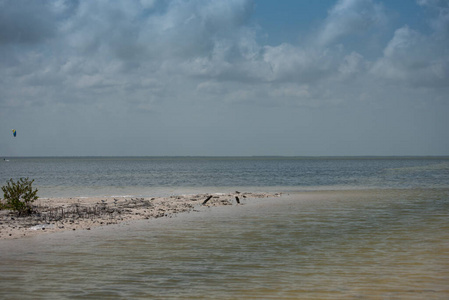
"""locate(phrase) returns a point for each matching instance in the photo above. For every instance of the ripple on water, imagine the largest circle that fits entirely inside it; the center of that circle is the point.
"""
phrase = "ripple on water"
(372, 244)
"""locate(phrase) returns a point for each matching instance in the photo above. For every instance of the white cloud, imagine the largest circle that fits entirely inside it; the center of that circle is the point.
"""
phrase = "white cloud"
(352, 64)
(148, 4)
(290, 63)
(415, 59)
(116, 46)
(440, 23)
(134, 58)
(349, 17)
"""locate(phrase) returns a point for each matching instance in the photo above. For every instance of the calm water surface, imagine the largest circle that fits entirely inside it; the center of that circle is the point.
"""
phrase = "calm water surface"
(382, 234)
(154, 176)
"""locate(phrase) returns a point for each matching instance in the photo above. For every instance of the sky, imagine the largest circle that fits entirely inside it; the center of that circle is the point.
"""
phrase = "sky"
(224, 78)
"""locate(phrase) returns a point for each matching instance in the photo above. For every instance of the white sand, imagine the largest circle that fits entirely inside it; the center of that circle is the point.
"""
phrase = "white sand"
(60, 214)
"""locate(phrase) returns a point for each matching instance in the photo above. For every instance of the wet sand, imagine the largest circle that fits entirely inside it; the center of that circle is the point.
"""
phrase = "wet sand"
(62, 214)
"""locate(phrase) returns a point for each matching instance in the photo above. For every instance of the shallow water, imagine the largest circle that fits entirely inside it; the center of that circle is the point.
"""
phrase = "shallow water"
(162, 176)
(370, 244)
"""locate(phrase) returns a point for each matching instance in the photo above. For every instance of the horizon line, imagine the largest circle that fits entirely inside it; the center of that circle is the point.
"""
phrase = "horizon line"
(231, 156)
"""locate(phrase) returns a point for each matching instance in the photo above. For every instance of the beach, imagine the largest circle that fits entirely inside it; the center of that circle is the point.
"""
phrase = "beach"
(84, 213)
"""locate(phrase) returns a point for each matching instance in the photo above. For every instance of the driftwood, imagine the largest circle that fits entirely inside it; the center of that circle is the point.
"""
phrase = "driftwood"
(205, 201)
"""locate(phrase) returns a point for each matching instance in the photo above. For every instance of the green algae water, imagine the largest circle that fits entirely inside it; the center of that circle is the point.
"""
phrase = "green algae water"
(374, 232)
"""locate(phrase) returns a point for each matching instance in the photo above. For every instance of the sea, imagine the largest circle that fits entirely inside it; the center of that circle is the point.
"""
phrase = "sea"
(344, 228)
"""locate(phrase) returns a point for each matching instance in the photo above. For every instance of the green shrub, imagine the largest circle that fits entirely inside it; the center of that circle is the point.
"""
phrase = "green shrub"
(19, 196)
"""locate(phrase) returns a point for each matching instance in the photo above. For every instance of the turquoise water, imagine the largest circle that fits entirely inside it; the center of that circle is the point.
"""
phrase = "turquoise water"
(368, 229)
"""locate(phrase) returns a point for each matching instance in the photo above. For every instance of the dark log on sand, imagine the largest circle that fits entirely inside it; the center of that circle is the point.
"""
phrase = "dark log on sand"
(205, 201)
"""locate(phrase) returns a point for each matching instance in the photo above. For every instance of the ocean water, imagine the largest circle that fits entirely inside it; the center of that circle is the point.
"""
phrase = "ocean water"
(344, 229)
(161, 176)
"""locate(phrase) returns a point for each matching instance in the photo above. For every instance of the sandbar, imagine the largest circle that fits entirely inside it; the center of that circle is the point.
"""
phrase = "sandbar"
(83, 213)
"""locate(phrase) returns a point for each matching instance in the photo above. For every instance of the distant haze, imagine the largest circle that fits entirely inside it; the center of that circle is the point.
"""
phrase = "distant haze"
(237, 77)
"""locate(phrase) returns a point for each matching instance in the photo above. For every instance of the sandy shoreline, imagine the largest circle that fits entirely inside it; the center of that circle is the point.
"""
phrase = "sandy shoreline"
(62, 214)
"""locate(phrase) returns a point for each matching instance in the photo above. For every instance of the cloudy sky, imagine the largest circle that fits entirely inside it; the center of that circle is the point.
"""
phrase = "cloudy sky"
(234, 77)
